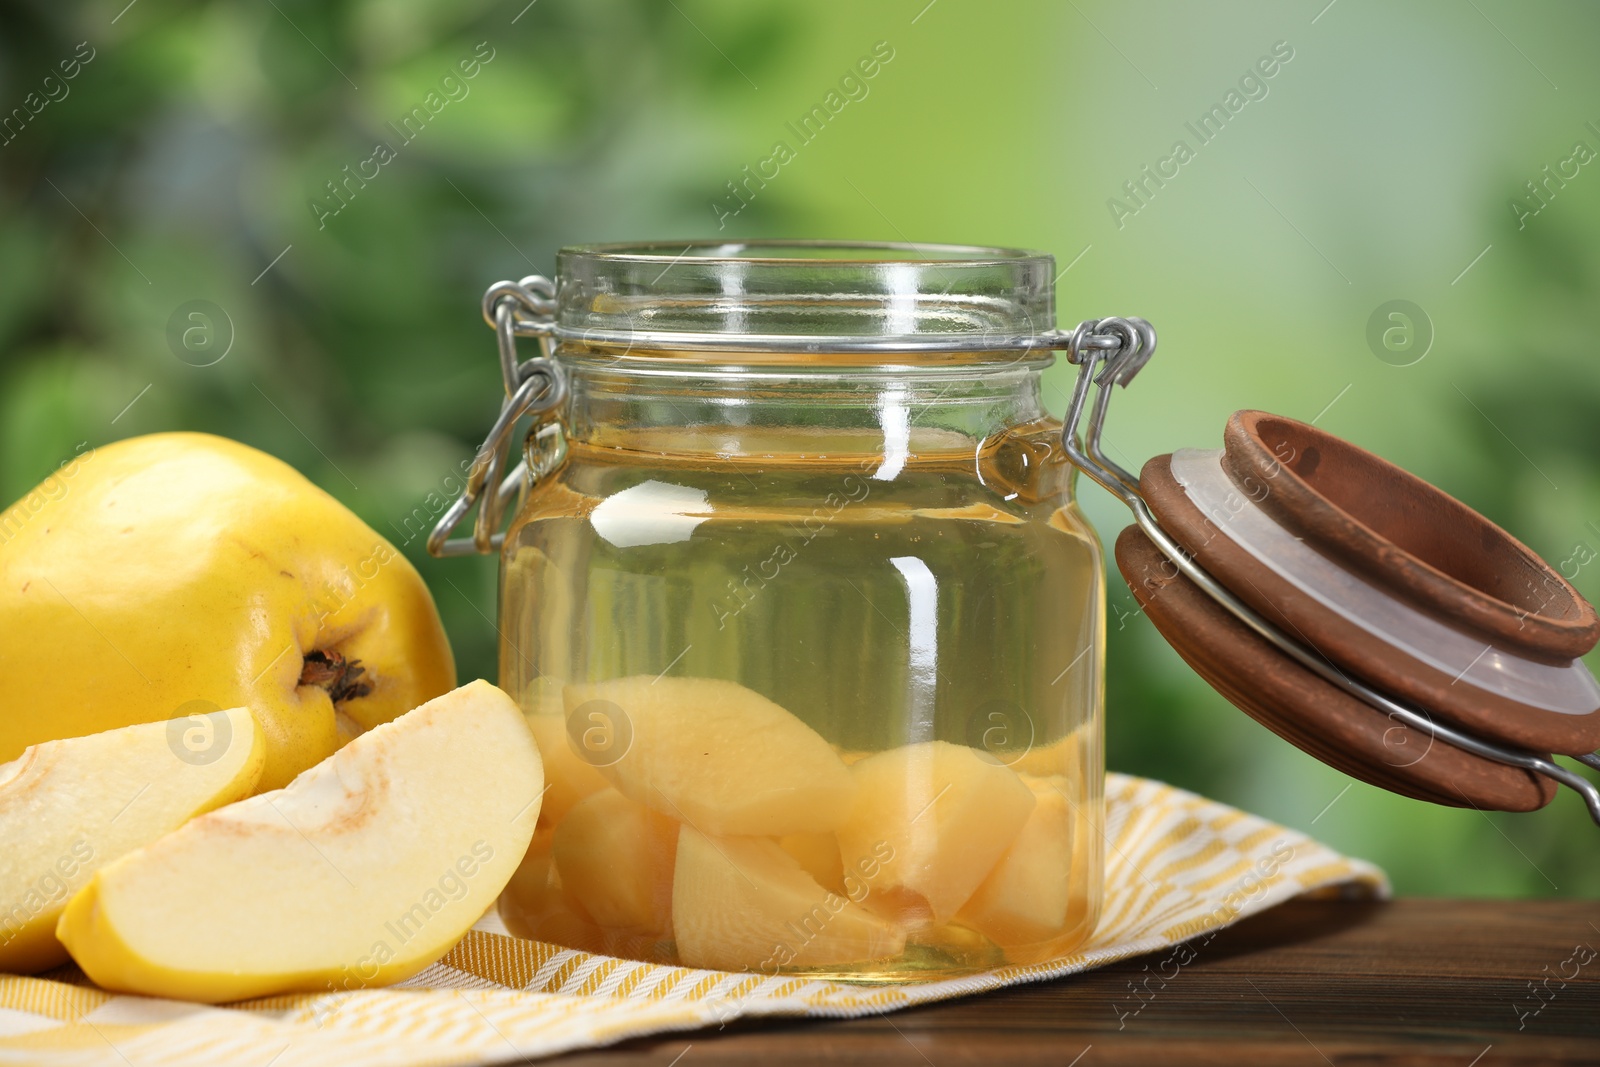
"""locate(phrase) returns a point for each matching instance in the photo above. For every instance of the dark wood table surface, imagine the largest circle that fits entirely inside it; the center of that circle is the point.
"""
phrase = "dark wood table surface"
(1479, 983)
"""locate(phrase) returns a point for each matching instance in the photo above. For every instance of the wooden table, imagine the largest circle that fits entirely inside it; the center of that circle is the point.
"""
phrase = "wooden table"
(1476, 983)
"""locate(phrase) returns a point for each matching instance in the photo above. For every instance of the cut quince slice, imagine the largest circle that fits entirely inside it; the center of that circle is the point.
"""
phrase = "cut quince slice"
(721, 758)
(362, 871)
(744, 904)
(1027, 897)
(534, 906)
(532, 898)
(530, 881)
(69, 807)
(1063, 758)
(945, 814)
(818, 855)
(615, 859)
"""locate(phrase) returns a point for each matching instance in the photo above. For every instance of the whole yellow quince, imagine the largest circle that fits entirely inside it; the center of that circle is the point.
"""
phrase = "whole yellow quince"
(180, 573)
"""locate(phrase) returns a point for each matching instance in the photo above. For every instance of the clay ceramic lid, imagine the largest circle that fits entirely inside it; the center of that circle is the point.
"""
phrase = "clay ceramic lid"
(1389, 580)
(1311, 714)
(1415, 540)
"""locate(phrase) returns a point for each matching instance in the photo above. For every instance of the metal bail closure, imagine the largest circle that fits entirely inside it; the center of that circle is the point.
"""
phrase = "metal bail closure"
(535, 386)
(1353, 609)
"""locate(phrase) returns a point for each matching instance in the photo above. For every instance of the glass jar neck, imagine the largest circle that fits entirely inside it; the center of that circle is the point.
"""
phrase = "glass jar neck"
(724, 408)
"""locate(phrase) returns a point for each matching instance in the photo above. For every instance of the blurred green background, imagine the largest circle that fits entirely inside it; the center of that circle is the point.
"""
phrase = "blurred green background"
(1387, 158)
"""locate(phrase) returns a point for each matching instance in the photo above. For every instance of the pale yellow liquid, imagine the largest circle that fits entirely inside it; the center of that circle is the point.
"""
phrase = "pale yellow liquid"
(880, 611)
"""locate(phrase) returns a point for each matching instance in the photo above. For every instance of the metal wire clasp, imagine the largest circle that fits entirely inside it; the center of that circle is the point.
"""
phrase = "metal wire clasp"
(535, 386)
(1107, 352)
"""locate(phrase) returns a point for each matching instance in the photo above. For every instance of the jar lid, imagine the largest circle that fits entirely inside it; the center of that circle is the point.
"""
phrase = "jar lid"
(804, 296)
(1355, 610)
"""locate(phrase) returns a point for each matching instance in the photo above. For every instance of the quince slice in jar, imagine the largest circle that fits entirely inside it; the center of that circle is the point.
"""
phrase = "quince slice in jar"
(818, 855)
(1028, 896)
(533, 905)
(743, 903)
(717, 756)
(946, 813)
(615, 860)
(569, 777)
(1063, 758)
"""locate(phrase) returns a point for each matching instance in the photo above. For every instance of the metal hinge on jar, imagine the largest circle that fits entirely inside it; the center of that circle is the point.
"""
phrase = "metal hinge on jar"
(534, 387)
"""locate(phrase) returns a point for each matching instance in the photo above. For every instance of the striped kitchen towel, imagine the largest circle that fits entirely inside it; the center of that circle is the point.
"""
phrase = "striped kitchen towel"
(1177, 867)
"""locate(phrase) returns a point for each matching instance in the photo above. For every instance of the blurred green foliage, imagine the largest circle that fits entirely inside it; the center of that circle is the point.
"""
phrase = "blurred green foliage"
(182, 162)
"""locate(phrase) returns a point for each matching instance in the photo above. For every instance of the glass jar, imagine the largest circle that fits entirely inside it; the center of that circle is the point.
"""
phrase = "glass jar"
(805, 618)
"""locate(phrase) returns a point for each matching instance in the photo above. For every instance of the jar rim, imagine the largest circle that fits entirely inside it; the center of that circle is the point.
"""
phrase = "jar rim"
(708, 249)
(804, 296)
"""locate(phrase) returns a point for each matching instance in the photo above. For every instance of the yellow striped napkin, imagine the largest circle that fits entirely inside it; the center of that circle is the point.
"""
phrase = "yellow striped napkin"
(1177, 866)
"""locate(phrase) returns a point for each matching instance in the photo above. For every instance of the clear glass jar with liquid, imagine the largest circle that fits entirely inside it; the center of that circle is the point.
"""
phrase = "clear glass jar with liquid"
(804, 616)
